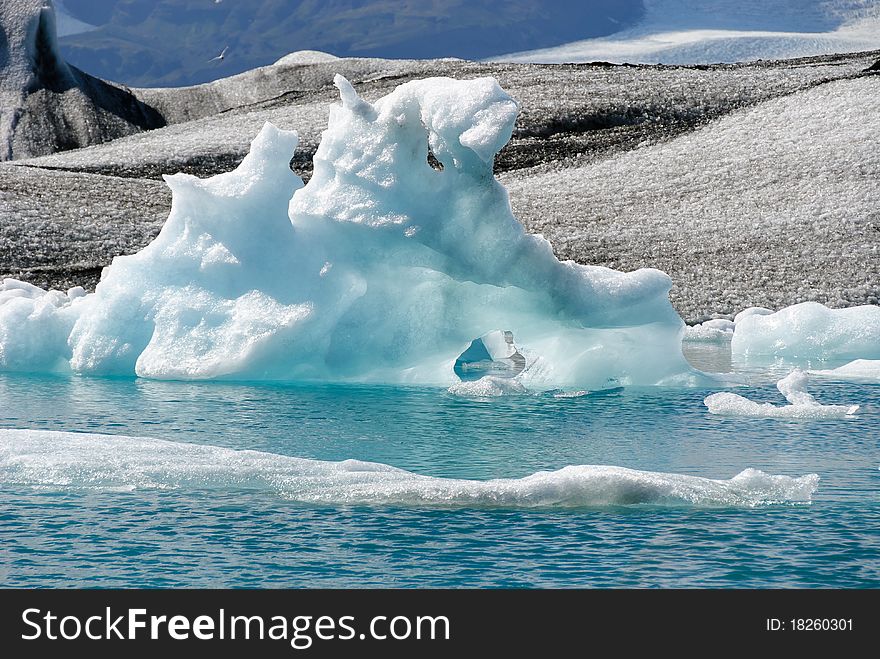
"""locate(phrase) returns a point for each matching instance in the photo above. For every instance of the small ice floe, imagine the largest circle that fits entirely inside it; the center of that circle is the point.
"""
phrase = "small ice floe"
(859, 370)
(717, 330)
(488, 386)
(809, 330)
(801, 404)
(66, 461)
(720, 330)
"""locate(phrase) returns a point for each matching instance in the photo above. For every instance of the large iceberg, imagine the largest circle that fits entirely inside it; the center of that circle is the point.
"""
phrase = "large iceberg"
(383, 268)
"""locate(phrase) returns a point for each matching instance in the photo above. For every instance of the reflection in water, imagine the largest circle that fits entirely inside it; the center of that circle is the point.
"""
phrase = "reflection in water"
(708, 357)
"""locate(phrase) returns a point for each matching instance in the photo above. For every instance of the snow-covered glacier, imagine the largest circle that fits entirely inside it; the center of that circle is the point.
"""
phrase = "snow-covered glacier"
(707, 31)
(381, 269)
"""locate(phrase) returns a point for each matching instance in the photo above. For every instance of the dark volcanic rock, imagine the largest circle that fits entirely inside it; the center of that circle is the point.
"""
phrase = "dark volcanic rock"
(48, 106)
(62, 228)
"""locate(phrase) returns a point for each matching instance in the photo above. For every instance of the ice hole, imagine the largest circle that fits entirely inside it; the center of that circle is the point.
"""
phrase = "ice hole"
(494, 353)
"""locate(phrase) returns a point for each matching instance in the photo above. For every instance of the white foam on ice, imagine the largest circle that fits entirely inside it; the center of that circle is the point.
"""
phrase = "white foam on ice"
(701, 32)
(381, 269)
(793, 387)
(60, 460)
(810, 331)
(858, 370)
(488, 387)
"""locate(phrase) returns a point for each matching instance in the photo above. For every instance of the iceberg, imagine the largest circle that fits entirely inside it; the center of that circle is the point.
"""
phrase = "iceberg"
(801, 405)
(381, 269)
(858, 370)
(78, 461)
(809, 331)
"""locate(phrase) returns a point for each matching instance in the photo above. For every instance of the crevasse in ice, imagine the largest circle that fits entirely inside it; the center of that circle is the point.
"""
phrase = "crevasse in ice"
(381, 269)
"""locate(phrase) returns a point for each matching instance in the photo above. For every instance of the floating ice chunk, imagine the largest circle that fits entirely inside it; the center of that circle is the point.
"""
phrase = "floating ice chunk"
(793, 387)
(34, 326)
(79, 461)
(859, 370)
(730, 404)
(711, 331)
(810, 331)
(237, 284)
(720, 330)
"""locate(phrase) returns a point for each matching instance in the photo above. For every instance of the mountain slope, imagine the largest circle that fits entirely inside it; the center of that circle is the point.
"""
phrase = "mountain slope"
(131, 44)
(47, 105)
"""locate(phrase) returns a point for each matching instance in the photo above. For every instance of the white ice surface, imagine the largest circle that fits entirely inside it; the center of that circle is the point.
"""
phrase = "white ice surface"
(858, 370)
(802, 405)
(488, 387)
(34, 326)
(751, 311)
(707, 31)
(60, 460)
(810, 331)
(380, 269)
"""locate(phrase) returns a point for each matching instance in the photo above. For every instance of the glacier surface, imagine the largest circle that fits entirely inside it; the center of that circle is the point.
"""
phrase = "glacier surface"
(62, 460)
(701, 32)
(772, 205)
(381, 269)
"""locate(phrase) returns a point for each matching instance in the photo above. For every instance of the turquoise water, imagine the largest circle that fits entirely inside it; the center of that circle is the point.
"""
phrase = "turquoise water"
(240, 537)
